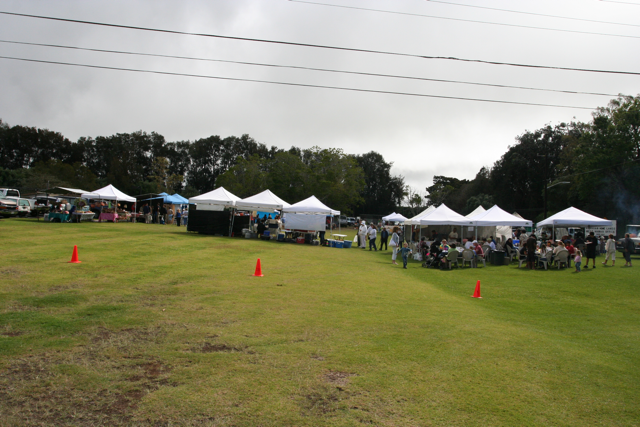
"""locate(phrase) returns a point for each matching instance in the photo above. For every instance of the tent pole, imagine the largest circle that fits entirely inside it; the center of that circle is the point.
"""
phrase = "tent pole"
(233, 219)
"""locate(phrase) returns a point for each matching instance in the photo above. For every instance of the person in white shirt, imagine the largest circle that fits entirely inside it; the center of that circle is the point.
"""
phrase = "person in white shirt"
(492, 244)
(372, 237)
(362, 235)
(610, 248)
(469, 244)
(454, 234)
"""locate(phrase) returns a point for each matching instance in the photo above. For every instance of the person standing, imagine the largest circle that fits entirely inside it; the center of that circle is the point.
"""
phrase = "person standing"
(610, 250)
(178, 216)
(372, 237)
(627, 245)
(395, 243)
(384, 236)
(156, 212)
(405, 252)
(146, 211)
(578, 260)
(532, 245)
(592, 248)
(362, 235)
(163, 214)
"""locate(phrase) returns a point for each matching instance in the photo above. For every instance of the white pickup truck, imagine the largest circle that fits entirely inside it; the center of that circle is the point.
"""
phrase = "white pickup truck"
(23, 206)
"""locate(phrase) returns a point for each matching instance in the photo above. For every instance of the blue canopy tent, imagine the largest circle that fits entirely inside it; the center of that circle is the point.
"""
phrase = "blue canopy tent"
(167, 199)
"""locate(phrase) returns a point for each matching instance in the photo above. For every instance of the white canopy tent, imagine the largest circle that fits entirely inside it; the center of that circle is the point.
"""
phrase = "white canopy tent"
(308, 214)
(498, 222)
(312, 206)
(108, 193)
(416, 219)
(496, 216)
(477, 211)
(443, 215)
(262, 202)
(573, 217)
(215, 200)
(395, 217)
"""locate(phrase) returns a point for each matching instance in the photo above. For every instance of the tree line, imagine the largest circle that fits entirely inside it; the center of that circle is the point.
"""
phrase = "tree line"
(139, 163)
(593, 166)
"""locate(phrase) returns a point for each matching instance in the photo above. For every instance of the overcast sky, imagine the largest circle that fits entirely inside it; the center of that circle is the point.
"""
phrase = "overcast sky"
(422, 136)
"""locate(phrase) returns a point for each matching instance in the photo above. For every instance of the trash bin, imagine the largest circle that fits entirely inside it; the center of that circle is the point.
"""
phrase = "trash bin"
(497, 257)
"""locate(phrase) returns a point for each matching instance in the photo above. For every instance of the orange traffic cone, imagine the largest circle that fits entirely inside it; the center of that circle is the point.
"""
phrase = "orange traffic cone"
(476, 294)
(74, 257)
(258, 272)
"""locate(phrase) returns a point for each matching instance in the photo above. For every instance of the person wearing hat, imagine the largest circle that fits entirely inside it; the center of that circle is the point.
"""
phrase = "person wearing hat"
(362, 235)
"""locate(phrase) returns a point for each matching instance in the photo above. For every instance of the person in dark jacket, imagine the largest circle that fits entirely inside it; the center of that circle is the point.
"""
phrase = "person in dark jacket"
(627, 245)
(384, 237)
(592, 249)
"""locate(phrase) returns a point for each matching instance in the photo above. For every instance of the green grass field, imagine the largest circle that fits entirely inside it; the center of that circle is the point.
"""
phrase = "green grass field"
(161, 327)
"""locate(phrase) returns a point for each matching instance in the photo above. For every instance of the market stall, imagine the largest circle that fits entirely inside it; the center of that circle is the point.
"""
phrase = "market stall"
(214, 213)
(110, 194)
(265, 201)
(573, 217)
(307, 217)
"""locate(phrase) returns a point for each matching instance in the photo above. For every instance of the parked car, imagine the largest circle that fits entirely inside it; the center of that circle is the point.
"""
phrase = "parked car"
(343, 220)
(9, 193)
(8, 207)
(351, 221)
(24, 207)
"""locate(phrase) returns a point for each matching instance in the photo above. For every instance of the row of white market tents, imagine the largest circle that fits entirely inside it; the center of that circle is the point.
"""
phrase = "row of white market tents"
(307, 214)
(220, 198)
(501, 220)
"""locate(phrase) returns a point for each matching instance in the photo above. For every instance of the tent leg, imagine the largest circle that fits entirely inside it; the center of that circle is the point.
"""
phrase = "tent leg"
(233, 218)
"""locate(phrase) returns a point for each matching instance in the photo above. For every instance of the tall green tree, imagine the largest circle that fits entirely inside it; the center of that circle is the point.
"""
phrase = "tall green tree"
(382, 192)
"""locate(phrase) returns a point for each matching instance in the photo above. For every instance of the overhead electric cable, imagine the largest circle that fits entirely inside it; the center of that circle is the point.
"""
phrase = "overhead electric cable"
(466, 20)
(303, 68)
(347, 49)
(293, 84)
(622, 2)
(532, 13)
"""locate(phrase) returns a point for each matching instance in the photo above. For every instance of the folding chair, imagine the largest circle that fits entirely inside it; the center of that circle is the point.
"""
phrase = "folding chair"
(468, 256)
(452, 257)
(562, 257)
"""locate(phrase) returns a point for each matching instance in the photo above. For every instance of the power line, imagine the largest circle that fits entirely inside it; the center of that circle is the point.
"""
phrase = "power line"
(346, 49)
(303, 68)
(466, 20)
(597, 170)
(622, 2)
(292, 84)
(532, 13)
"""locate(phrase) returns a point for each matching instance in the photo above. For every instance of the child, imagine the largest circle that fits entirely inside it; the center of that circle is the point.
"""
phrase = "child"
(405, 252)
(578, 260)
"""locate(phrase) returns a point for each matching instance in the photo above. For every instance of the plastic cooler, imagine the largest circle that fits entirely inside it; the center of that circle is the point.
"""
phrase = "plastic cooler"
(347, 243)
(280, 237)
(300, 240)
(339, 244)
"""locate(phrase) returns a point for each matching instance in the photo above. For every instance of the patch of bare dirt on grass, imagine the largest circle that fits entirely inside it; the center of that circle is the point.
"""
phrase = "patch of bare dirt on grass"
(11, 272)
(207, 347)
(324, 400)
(90, 386)
(337, 378)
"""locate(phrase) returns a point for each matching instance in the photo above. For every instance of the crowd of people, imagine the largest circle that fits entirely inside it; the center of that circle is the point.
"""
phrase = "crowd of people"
(164, 214)
(536, 251)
